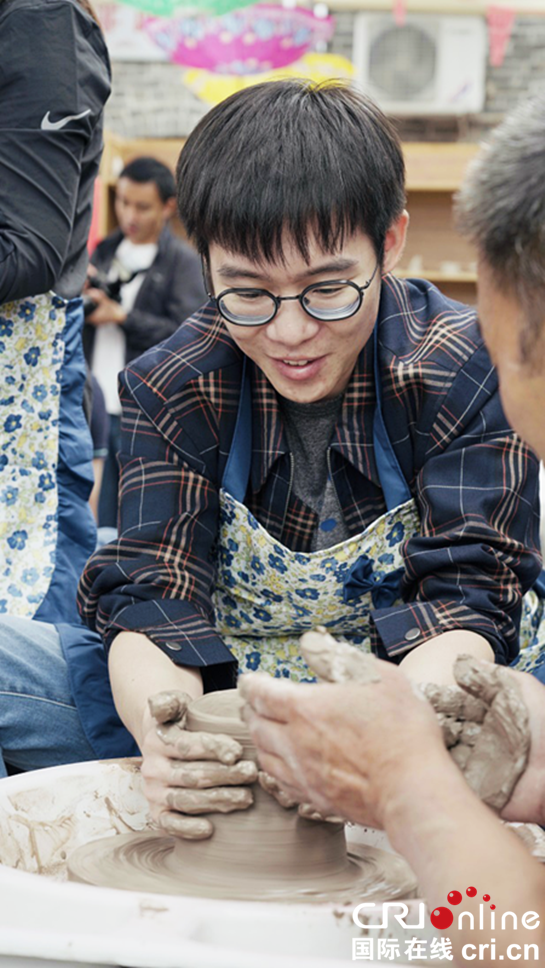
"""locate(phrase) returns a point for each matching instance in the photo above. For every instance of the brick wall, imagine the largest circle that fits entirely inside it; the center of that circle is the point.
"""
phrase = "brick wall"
(151, 100)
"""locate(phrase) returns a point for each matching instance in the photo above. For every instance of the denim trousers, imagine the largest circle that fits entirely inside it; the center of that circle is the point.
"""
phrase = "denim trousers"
(39, 722)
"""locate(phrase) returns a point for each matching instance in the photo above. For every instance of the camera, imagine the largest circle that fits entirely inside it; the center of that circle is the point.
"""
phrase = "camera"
(110, 287)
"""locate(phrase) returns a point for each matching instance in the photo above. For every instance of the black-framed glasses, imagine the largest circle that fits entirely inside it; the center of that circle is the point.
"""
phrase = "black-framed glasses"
(327, 301)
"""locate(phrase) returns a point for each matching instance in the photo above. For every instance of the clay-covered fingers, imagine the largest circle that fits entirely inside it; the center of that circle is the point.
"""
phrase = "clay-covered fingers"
(500, 752)
(185, 745)
(201, 775)
(187, 828)
(191, 773)
(485, 726)
(481, 679)
(334, 661)
(216, 800)
(309, 812)
(454, 702)
(170, 706)
(271, 786)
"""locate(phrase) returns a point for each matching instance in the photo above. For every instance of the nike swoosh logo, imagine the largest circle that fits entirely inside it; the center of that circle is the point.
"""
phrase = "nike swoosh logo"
(48, 125)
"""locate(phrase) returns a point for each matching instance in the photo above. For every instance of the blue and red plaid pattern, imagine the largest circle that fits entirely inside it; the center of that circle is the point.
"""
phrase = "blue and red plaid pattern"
(474, 482)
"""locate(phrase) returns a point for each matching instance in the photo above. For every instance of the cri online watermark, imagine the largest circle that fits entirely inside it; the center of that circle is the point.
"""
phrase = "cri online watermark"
(442, 918)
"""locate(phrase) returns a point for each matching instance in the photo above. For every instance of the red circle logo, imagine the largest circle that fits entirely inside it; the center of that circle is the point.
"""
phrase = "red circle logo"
(441, 918)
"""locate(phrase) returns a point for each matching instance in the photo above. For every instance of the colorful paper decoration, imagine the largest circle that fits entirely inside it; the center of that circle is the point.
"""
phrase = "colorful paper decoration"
(500, 26)
(169, 8)
(259, 38)
(213, 88)
(400, 12)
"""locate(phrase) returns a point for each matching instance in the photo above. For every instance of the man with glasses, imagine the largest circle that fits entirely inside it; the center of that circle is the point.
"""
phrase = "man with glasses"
(321, 444)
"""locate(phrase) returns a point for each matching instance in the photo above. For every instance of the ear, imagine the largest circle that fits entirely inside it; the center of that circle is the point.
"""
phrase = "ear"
(169, 209)
(394, 242)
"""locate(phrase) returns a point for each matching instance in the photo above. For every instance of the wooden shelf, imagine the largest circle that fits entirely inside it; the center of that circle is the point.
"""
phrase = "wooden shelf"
(437, 167)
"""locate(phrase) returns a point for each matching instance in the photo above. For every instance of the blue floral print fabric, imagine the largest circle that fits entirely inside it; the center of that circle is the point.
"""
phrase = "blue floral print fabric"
(267, 595)
(31, 356)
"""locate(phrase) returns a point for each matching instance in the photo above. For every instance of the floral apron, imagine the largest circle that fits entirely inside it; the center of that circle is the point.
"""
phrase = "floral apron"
(267, 595)
(46, 529)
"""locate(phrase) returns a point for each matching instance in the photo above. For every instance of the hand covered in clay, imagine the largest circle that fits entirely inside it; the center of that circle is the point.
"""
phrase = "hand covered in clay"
(485, 726)
(190, 773)
(306, 810)
(346, 748)
(484, 719)
(527, 800)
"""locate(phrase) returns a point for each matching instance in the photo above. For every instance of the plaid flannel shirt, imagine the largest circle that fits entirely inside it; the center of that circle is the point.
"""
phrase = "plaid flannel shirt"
(474, 482)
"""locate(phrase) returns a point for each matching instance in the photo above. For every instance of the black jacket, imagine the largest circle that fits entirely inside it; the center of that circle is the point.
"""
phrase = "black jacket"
(54, 81)
(171, 291)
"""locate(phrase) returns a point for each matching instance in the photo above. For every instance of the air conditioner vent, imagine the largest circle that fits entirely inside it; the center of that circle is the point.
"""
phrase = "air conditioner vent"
(433, 64)
(403, 62)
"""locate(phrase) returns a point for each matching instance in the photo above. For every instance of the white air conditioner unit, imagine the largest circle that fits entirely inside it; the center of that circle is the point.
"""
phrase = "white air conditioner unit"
(432, 65)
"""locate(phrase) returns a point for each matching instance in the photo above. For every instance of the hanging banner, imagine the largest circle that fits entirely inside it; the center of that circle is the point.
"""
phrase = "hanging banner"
(213, 88)
(258, 38)
(500, 27)
(400, 12)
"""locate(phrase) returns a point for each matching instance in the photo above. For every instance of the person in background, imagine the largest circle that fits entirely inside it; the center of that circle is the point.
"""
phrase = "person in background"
(54, 83)
(150, 281)
(374, 753)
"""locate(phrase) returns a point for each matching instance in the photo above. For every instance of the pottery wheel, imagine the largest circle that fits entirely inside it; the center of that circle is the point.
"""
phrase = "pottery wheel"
(152, 862)
(262, 853)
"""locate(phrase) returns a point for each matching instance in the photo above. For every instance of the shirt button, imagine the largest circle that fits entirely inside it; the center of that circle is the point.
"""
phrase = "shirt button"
(173, 646)
(412, 634)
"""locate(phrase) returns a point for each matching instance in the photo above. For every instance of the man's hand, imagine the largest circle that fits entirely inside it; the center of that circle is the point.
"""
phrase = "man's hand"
(527, 802)
(343, 748)
(190, 773)
(107, 310)
(486, 727)
(483, 717)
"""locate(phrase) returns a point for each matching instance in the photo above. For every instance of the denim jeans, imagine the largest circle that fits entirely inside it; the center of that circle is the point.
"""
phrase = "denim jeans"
(39, 722)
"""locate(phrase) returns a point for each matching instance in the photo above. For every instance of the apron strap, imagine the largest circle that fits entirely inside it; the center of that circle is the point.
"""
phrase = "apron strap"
(392, 480)
(237, 470)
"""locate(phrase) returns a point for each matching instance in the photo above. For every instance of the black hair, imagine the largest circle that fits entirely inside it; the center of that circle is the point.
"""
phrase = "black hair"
(151, 170)
(295, 157)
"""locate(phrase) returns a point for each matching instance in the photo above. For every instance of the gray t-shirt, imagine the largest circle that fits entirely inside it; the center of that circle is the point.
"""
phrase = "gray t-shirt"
(309, 428)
